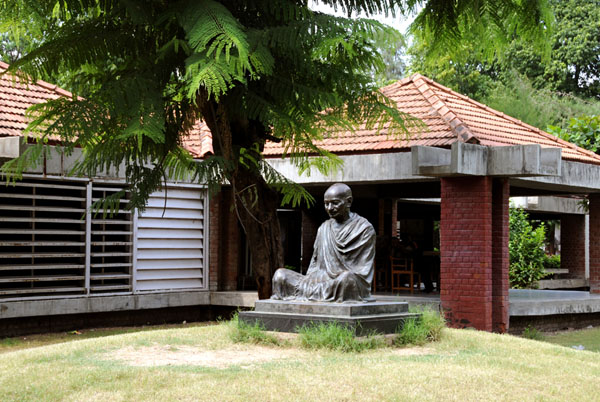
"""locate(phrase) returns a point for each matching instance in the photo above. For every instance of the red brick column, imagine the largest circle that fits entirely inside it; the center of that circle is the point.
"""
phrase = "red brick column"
(214, 233)
(230, 243)
(224, 243)
(500, 256)
(466, 251)
(594, 243)
(572, 244)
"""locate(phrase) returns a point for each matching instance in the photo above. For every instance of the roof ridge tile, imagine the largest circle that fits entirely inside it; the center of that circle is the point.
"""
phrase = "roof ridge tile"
(459, 128)
(513, 119)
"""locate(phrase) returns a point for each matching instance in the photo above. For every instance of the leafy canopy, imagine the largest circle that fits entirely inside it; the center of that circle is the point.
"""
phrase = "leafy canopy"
(258, 70)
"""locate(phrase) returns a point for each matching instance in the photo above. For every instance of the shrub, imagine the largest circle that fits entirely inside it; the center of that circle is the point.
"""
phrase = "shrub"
(241, 332)
(526, 249)
(336, 336)
(420, 330)
(583, 131)
(531, 333)
(551, 261)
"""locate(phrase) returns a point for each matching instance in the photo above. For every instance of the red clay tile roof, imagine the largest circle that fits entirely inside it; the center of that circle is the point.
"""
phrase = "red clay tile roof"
(449, 117)
(199, 140)
(16, 96)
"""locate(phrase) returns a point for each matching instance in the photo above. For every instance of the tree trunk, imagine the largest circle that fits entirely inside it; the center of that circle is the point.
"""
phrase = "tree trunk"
(256, 206)
(255, 202)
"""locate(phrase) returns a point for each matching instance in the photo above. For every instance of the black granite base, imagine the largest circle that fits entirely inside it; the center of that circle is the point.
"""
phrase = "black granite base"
(361, 318)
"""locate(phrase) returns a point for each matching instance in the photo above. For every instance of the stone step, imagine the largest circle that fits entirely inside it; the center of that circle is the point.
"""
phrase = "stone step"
(361, 318)
(572, 283)
(331, 309)
(557, 271)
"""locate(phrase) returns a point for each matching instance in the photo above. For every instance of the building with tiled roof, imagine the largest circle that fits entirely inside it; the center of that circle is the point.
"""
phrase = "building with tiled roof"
(455, 171)
(59, 258)
(448, 117)
(16, 96)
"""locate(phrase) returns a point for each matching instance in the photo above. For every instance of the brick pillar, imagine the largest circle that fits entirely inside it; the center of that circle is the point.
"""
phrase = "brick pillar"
(224, 243)
(500, 256)
(466, 251)
(572, 244)
(230, 243)
(214, 239)
(594, 243)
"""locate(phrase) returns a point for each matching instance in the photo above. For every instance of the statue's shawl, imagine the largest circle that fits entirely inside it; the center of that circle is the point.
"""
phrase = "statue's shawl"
(339, 249)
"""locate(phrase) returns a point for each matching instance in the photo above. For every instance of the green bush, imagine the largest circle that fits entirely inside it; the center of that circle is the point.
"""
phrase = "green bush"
(551, 261)
(532, 333)
(526, 249)
(241, 332)
(420, 330)
(336, 336)
(583, 131)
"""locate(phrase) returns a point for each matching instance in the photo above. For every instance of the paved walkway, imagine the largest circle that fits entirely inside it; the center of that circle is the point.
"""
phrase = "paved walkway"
(523, 302)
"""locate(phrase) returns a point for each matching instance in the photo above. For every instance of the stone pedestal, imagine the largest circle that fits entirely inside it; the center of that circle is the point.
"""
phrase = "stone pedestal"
(362, 318)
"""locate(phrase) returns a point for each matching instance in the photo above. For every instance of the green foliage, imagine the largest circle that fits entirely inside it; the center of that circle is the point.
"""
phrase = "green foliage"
(392, 49)
(418, 331)
(336, 336)
(532, 333)
(552, 261)
(583, 131)
(517, 97)
(489, 25)
(466, 72)
(252, 70)
(241, 332)
(521, 78)
(526, 249)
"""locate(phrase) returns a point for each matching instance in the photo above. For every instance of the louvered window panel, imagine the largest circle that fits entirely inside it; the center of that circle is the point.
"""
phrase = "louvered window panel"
(111, 263)
(170, 241)
(42, 238)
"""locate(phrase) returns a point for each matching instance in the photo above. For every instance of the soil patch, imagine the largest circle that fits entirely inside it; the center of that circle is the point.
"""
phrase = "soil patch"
(168, 355)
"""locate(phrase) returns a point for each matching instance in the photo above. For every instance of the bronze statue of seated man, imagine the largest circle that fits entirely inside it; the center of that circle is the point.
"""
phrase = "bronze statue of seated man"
(341, 268)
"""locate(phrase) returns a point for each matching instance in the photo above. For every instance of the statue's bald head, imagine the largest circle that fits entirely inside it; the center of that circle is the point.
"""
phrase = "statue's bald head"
(340, 189)
(338, 199)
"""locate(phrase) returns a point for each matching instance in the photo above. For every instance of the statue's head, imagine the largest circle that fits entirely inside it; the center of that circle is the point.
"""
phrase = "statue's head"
(338, 199)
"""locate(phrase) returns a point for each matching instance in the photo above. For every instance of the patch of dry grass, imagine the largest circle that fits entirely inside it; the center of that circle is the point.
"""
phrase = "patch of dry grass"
(464, 365)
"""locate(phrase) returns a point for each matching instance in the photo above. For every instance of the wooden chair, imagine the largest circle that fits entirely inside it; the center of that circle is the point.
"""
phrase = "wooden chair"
(403, 269)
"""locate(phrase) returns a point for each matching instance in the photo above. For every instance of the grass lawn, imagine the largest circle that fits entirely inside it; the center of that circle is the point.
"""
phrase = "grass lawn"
(202, 363)
(588, 338)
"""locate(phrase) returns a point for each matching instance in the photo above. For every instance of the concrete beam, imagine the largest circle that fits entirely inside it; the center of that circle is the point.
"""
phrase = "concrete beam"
(560, 205)
(528, 302)
(575, 177)
(101, 304)
(10, 147)
(370, 168)
(476, 160)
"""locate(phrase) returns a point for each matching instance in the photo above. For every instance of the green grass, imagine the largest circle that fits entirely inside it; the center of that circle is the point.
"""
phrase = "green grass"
(240, 331)
(37, 340)
(588, 338)
(463, 365)
(418, 331)
(335, 336)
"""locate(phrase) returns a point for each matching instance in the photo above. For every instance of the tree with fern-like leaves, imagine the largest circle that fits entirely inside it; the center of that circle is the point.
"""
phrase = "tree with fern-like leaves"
(253, 71)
